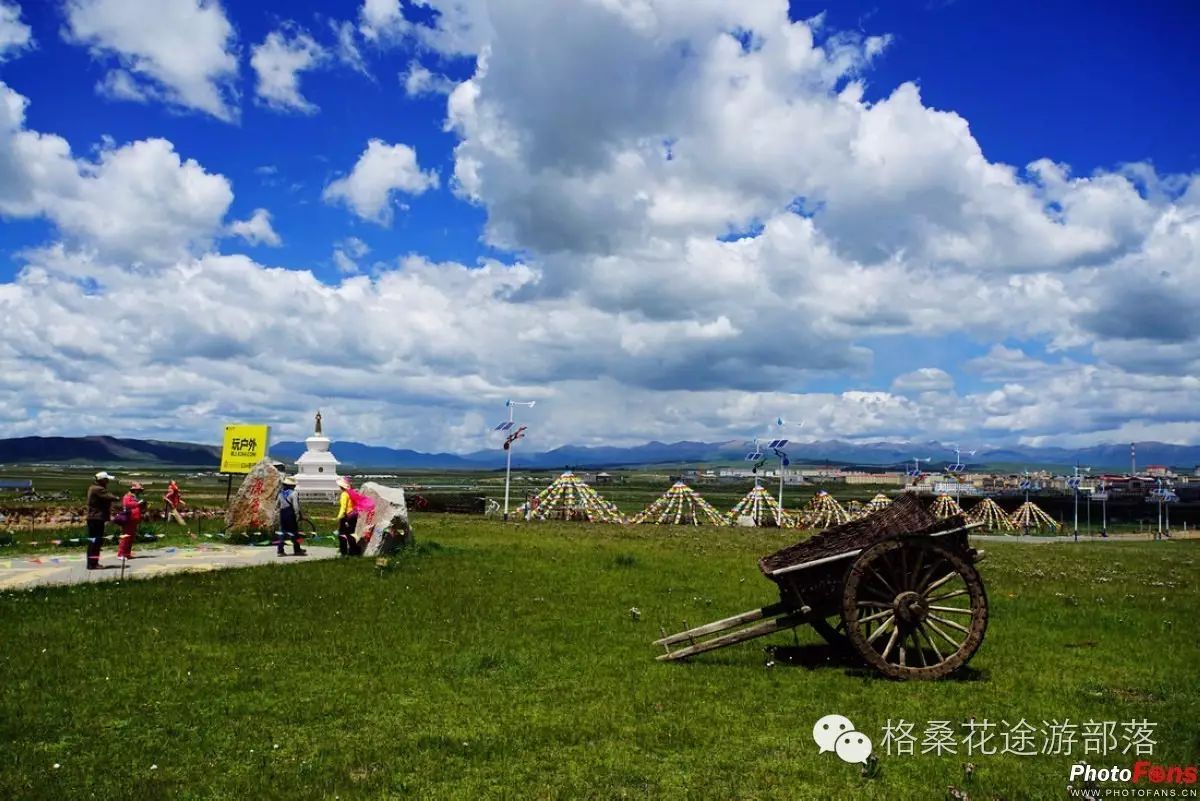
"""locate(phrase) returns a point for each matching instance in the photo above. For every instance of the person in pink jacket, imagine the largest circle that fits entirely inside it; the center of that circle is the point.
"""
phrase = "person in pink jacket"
(131, 505)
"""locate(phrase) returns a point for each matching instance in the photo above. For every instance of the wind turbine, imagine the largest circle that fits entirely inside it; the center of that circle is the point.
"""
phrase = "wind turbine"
(777, 446)
(915, 471)
(755, 456)
(1164, 493)
(957, 469)
(510, 439)
(1073, 483)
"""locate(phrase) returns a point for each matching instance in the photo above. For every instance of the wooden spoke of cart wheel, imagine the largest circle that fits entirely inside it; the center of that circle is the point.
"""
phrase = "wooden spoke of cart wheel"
(920, 581)
(914, 572)
(958, 610)
(883, 581)
(950, 623)
(920, 649)
(947, 596)
(882, 628)
(942, 634)
(887, 649)
(875, 616)
(932, 644)
(940, 582)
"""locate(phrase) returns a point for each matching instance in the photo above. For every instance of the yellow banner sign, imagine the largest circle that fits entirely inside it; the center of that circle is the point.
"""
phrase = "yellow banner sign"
(244, 447)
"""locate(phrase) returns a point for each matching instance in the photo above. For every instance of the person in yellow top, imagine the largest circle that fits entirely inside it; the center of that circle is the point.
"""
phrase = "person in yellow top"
(347, 520)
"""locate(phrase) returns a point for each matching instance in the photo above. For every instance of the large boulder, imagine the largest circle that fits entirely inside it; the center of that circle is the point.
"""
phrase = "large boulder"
(385, 528)
(253, 507)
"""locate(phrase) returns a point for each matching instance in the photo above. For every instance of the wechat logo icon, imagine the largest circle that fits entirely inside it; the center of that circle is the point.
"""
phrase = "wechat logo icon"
(836, 733)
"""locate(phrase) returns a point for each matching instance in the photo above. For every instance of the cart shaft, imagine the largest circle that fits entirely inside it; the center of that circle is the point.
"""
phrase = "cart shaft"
(721, 625)
(780, 623)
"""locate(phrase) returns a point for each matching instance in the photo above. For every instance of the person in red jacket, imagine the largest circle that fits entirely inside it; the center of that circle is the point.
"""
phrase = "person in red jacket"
(174, 503)
(132, 505)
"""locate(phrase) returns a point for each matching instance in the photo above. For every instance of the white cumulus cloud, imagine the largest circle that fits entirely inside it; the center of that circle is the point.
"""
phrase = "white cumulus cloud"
(278, 62)
(256, 229)
(182, 52)
(924, 379)
(15, 35)
(419, 80)
(380, 19)
(141, 201)
(380, 172)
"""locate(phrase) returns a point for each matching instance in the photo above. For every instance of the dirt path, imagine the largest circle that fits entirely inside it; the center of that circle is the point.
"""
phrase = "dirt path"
(22, 572)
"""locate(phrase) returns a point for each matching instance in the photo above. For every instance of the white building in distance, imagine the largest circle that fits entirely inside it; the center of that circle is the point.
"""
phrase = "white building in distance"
(316, 469)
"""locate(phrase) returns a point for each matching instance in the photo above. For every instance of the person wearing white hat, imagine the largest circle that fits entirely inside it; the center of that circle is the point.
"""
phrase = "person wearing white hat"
(289, 517)
(99, 509)
(347, 519)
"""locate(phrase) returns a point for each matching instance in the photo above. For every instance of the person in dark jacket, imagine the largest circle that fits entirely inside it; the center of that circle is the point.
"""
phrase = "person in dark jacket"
(99, 509)
(289, 517)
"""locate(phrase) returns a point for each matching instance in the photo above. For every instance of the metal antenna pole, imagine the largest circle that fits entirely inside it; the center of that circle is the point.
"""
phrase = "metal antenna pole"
(1158, 534)
(780, 482)
(507, 466)
(510, 443)
(1076, 492)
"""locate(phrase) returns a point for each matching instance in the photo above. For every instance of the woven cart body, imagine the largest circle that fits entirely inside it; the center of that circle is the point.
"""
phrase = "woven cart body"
(812, 573)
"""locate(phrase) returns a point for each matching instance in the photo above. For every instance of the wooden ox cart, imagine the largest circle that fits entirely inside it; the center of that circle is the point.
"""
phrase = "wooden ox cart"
(897, 587)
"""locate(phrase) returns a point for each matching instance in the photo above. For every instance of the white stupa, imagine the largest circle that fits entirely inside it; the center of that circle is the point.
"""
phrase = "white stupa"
(316, 476)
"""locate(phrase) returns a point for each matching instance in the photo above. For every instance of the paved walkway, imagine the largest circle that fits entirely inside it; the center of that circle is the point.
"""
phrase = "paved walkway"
(22, 572)
(1061, 538)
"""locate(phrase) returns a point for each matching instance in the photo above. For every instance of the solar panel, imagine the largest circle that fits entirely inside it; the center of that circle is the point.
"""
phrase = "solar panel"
(753, 457)
(777, 443)
(503, 426)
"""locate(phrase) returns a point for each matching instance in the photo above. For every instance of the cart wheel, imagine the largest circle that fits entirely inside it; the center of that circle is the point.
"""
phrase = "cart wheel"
(914, 609)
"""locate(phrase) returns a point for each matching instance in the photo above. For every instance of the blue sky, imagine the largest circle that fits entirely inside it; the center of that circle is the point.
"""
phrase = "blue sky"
(1092, 84)
(989, 186)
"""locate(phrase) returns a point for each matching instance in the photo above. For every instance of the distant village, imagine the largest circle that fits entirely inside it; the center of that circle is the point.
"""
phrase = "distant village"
(1143, 483)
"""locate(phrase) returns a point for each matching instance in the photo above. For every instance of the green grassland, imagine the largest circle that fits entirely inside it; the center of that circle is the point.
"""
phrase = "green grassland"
(501, 660)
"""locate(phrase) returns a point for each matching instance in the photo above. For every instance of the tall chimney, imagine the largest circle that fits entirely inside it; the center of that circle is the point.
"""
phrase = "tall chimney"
(1133, 458)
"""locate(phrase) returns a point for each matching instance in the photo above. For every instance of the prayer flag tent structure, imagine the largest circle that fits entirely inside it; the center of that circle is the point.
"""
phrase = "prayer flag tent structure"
(856, 509)
(945, 506)
(823, 511)
(991, 515)
(568, 498)
(1029, 515)
(680, 505)
(761, 507)
(880, 501)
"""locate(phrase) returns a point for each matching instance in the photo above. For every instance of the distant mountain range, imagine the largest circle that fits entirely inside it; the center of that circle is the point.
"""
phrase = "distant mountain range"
(102, 451)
